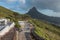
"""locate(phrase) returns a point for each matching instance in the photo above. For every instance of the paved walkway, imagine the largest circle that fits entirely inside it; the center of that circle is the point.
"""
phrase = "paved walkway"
(25, 33)
(21, 36)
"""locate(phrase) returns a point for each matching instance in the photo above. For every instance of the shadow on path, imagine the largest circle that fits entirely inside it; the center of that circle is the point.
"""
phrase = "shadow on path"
(27, 35)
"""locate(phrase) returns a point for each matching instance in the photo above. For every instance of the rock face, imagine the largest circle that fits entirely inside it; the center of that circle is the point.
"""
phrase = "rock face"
(9, 35)
(37, 15)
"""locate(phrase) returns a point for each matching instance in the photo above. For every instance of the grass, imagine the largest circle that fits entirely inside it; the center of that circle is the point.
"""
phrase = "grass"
(46, 30)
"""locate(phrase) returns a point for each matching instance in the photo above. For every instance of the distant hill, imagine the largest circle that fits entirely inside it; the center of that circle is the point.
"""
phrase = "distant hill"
(37, 15)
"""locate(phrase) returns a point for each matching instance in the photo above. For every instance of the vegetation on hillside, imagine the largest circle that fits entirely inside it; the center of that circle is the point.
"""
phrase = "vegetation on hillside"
(13, 16)
(46, 30)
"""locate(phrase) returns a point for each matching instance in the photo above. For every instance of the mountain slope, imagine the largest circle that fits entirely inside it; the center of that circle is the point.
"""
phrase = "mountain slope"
(37, 15)
(14, 16)
(4, 12)
(46, 30)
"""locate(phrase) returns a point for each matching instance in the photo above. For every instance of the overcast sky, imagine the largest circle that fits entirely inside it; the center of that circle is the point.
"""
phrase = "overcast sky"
(47, 7)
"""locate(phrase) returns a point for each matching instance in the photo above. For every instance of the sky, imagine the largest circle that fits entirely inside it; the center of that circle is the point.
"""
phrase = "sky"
(47, 7)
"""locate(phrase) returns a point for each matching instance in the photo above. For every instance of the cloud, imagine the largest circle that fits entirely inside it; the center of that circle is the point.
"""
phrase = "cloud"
(20, 1)
(23, 1)
(50, 12)
(46, 4)
(11, 0)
